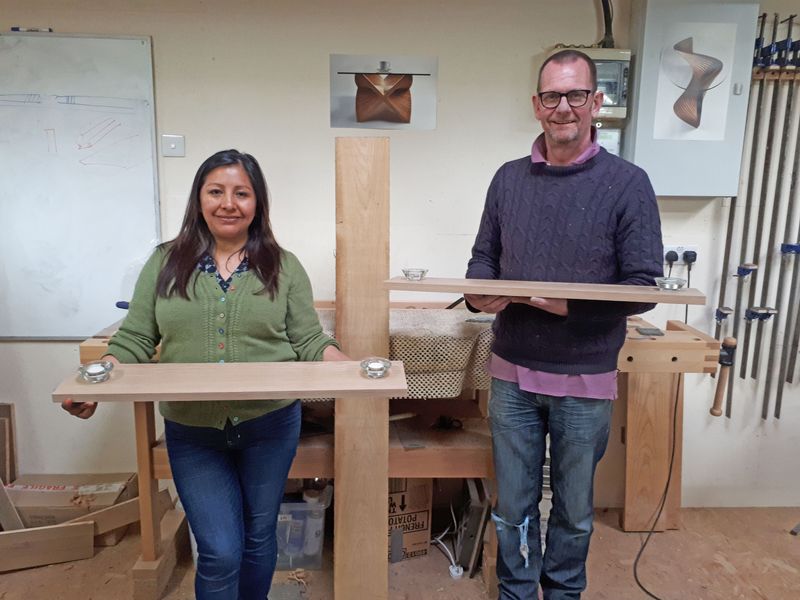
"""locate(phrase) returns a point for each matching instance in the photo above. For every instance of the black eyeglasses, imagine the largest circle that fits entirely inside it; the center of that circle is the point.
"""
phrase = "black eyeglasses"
(575, 98)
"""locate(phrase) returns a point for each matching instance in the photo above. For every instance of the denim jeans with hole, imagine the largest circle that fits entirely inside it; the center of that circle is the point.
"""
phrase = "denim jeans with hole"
(578, 429)
(231, 483)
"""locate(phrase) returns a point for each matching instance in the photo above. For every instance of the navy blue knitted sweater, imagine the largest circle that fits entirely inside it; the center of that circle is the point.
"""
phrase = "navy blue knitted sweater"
(596, 222)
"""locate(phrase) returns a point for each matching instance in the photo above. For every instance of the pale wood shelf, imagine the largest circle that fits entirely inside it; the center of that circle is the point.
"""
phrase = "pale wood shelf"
(253, 381)
(549, 289)
(465, 453)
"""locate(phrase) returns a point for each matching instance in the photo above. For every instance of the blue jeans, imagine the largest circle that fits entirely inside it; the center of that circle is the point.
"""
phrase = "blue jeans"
(231, 483)
(578, 429)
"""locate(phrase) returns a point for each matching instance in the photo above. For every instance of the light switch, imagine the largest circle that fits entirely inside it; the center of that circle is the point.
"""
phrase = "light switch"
(173, 145)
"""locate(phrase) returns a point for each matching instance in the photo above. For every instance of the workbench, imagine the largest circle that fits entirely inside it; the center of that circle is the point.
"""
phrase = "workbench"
(367, 451)
(650, 382)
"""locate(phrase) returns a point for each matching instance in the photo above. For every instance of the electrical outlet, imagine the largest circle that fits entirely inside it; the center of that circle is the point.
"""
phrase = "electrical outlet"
(680, 250)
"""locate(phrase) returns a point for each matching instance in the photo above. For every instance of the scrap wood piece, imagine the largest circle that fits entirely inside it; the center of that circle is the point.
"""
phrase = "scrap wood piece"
(299, 576)
(9, 517)
(5, 449)
(486, 507)
(7, 412)
(150, 577)
(122, 514)
(45, 545)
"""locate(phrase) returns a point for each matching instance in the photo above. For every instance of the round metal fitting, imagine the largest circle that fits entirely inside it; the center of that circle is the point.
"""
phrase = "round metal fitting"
(415, 274)
(96, 372)
(375, 367)
(670, 283)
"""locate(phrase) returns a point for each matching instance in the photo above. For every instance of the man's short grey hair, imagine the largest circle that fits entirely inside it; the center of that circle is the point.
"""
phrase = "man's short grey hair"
(565, 56)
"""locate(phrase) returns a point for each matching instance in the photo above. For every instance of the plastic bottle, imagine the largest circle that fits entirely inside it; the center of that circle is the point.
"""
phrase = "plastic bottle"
(282, 532)
(315, 520)
(294, 544)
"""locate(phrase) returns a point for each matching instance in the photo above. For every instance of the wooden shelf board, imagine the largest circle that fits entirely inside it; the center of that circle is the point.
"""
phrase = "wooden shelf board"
(548, 289)
(464, 453)
(253, 381)
(457, 453)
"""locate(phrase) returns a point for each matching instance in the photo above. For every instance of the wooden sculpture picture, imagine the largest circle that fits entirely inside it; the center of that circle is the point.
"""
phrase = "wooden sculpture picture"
(705, 69)
(695, 81)
(383, 97)
(375, 91)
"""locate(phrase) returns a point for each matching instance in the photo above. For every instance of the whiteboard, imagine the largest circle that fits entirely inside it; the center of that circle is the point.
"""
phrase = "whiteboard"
(79, 210)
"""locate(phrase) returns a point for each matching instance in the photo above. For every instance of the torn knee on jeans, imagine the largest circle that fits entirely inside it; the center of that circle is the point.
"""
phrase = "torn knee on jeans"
(523, 533)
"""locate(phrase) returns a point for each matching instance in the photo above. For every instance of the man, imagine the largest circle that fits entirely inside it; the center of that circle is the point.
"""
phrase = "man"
(570, 212)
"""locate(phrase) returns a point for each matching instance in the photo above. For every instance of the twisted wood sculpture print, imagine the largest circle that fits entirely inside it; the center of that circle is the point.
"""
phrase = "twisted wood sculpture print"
(689, 106)
(383, 97)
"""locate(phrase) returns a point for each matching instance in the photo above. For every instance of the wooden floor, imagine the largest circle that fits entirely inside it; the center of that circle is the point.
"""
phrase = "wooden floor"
(730, 554)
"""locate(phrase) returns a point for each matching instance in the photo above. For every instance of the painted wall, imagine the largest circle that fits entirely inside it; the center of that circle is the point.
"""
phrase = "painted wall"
(255, 76)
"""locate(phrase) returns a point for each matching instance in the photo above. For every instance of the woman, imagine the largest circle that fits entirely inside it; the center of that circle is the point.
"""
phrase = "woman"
(224, 291)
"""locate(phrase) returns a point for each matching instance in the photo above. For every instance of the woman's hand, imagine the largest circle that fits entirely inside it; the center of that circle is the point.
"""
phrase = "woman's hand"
(82, 410)
(333, 353)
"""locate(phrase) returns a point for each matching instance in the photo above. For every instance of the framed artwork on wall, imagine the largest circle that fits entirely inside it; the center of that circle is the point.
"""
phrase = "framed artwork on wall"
(383, 91)
(689, 92)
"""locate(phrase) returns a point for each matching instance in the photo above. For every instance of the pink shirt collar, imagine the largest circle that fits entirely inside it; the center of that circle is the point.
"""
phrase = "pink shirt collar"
(539, 150)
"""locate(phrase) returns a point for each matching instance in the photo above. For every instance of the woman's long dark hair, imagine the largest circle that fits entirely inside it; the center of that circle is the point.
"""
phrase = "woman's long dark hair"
(195, 239)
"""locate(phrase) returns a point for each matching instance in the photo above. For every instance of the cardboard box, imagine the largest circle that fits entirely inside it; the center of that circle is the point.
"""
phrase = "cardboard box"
(43, 500)
(410, 511)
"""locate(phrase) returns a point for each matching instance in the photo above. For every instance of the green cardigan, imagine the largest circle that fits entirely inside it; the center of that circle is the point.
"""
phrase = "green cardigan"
(241, 325)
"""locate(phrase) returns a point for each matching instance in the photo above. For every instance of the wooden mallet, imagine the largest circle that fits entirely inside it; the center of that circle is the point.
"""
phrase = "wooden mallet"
(726, 356)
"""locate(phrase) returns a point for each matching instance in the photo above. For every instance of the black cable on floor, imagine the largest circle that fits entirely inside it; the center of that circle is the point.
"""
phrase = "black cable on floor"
(663, 500)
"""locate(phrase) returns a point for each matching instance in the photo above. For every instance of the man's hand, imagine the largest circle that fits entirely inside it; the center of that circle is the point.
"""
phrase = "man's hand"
(557, 306)
(488, 304)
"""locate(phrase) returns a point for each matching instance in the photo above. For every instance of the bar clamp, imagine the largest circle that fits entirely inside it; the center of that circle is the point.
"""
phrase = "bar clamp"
(745, 270)
(759, 313)
(722, 313)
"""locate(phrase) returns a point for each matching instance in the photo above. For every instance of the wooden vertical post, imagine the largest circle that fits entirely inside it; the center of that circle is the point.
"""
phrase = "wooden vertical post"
(673, 505)
(148, 485)
(650, 401)
(361, 451)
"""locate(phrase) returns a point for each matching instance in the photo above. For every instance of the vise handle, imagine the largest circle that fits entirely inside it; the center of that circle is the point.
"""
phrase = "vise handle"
(726, 357)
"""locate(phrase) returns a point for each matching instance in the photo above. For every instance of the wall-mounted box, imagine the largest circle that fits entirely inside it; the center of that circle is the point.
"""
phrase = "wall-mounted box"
(613, 69)
(691, 75)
